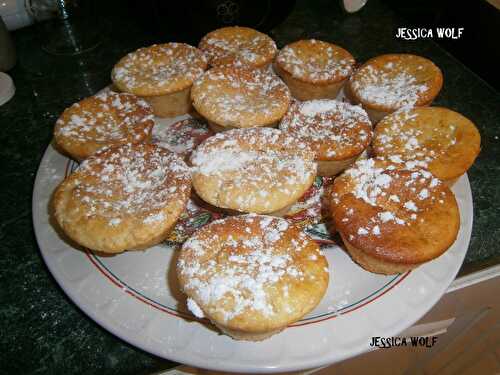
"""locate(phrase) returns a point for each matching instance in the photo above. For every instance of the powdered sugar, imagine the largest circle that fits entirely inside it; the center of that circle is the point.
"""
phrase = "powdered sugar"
(316, 61)
(394, 81)
(391, 90)
(235, 271)
(106, 117)
(253, 163)
(409, 134)
(397, 192)
(150, 219)
(333, 129)
(161, 67)
(240, 97)
(238, 46)
(195, 308)
(131, 180)
(370, 180)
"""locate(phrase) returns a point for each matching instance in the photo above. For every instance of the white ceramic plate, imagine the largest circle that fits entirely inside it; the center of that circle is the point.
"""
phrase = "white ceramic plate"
(134, 295)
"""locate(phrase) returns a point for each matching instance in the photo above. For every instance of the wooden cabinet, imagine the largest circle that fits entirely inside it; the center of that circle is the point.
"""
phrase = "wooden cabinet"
(466, 322)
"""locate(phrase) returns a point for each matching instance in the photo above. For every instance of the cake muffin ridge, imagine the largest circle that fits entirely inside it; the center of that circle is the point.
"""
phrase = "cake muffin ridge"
(162, 74)
(232, 97)
(393, 215)
(386, 83)
(444, 140)
(238, 46)
(251, 275)
(317, 70)
(252, 170)
(326, 125)
(104, 119)
(159, 69)
(336, 131)
(123, 198)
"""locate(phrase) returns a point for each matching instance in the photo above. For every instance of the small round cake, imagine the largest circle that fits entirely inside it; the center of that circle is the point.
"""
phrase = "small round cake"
(337, 132)
(393, 217)
(181, 137)
(106, 119)
(123, 198)
(240, 98)
(314, 69)
(162, 74)
(387, 83)
(258, 170)
(252, 275)
(445, 140)
(238, 46)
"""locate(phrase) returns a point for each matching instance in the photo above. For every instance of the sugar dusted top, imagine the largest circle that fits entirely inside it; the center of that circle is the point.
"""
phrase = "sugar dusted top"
(238, 46)
(252, 170)
(159, 69)
(252, 272)
(131, 180)
(316, 61)
(240, 98)
(394, 209)
(106, 118)
(334, 130)
(389, 82)
(444, 140)
(181, 137)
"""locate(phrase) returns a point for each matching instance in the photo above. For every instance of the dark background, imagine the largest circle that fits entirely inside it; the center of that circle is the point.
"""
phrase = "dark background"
(478, 48)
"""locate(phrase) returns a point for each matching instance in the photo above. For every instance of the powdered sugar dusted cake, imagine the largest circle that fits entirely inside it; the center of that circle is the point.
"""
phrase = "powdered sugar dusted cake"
(314, 69)
(252, 275)
(105, 119)
(388, 82)
(162, 74)
(259, 170)
(240, 98)
(123, 198)
(238, 46)
(393, 215)
(444, 140)
(159, 69)
(337, 132)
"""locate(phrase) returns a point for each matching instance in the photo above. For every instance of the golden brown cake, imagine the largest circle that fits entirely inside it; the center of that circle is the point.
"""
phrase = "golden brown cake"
(259, 170)
(337, 132)
(252, 275)
(181, 137)
(445, 140)
(387, 83)
(314, 69)
(106, 119)
(238, 46)
(240, 98)
(393, 217)
(123, 198)
(162, 74)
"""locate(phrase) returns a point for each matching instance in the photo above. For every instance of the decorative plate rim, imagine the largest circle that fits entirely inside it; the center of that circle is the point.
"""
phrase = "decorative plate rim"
(357, 320)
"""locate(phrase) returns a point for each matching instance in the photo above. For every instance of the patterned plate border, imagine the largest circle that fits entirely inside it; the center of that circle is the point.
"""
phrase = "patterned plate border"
(130, 290)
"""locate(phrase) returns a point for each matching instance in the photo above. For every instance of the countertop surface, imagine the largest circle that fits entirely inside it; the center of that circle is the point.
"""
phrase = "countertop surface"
(42, 331)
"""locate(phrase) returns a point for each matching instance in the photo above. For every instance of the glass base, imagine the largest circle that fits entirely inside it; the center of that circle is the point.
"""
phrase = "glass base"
(70, 37)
